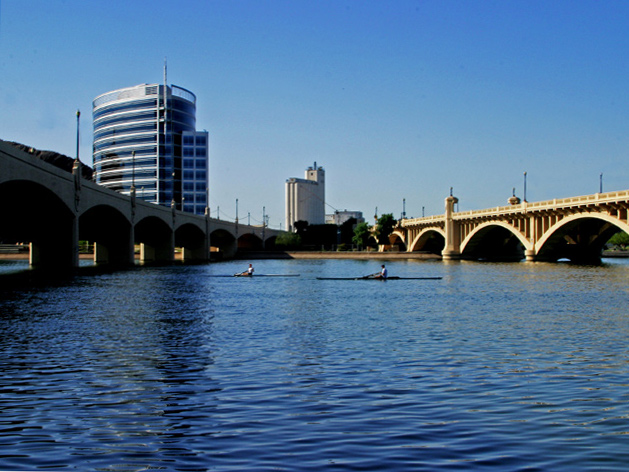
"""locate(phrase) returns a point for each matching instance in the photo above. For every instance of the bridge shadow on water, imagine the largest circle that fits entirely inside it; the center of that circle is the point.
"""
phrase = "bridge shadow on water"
(31, 278)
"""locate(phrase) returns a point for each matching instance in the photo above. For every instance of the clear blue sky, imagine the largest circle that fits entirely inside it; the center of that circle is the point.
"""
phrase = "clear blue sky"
(395, 99)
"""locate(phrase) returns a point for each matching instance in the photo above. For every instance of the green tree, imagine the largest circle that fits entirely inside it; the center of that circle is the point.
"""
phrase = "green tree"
(362, 232)
(288, 241)
(347, 231)
(384, 228)
(619, 239)
(301, 227)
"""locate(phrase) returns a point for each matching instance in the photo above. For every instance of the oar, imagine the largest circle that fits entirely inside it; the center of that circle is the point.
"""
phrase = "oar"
(258, 275)
(370, 276)
(278, 275)
(366, 277)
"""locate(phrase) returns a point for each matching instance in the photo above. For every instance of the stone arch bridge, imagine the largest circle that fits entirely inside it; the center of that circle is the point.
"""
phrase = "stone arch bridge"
(52, 210)
(574, 228)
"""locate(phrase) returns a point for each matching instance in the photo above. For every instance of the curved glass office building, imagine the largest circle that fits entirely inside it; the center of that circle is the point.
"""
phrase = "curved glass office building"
(145, 137)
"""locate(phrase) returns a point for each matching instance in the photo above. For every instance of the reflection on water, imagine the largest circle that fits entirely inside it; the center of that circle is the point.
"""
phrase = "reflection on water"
(496, 366)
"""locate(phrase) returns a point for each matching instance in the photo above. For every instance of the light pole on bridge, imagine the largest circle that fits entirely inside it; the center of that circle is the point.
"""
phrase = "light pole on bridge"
(78, 127)
(133, 171)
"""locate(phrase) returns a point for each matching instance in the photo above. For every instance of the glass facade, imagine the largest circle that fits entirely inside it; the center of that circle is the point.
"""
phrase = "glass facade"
(145, 137)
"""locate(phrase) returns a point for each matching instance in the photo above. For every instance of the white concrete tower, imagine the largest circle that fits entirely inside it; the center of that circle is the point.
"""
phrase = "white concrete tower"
(305, 198)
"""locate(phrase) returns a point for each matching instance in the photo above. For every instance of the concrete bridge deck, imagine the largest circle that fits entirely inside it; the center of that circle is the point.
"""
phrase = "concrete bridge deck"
(52, 210)
(574, 228)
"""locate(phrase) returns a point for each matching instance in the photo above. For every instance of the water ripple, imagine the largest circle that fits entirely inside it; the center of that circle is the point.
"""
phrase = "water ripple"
(496, 367)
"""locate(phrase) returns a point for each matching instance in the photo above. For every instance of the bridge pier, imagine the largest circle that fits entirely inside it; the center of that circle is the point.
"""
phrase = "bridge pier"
(530, 256)
(58, 250)
(163, 251)
(198, 253)
(118, 251)
(452, 249)
(450, 256)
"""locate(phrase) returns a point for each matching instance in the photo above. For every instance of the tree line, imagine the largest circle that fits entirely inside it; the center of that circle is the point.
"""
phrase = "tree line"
(350, 234)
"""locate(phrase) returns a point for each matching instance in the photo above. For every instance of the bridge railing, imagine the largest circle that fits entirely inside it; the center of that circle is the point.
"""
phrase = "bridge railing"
(524, 207)
(556, 203)
(422, 220)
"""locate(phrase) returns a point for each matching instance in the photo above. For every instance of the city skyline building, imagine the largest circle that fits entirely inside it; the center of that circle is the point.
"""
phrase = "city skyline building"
(305, 198)
(145, 138)
(341, 216)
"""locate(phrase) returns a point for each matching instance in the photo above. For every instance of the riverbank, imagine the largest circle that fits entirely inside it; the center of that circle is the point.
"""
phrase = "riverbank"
(335, 255)
(616, 253)
(24, 256)
(256, 255)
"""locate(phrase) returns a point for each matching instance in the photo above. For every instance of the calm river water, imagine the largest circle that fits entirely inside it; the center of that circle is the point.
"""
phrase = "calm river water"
(494, 367)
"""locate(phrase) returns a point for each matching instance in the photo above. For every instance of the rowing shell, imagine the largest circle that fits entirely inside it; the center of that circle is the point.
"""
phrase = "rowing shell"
(257, 275)
(377, 278)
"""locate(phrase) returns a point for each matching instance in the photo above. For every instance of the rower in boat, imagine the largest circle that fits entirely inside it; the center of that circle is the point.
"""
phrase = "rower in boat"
(382, 275)
(246, 273)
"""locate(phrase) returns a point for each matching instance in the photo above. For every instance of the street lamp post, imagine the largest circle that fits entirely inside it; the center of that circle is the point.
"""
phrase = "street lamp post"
(78, 127)
(524, 187)
(133, 170)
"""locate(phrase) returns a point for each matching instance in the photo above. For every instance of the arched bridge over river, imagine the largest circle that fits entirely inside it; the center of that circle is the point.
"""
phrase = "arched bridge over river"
(53, 210)
(574, 228)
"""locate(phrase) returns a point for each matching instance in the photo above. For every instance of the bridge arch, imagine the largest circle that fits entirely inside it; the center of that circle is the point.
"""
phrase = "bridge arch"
(111, 233)
(33, 213)
(495, 240)
(398, 238)
(431, 240)
(155, 236)
(193, 241)
(249, 242)
(579, 238)
(224, 243)
(269, 243)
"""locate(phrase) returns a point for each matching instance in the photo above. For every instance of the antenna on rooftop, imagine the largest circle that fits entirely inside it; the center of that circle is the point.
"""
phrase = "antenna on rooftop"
(165, 72)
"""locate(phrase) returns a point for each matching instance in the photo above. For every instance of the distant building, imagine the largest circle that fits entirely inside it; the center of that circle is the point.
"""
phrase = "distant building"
(305, 198)
(339, 217)
(145, 136)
